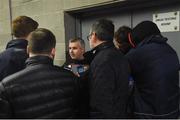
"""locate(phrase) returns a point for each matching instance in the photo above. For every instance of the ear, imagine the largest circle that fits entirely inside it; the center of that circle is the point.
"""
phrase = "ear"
(83, 50)
(131, 41)
(53, 51)
(94, 37)
(27, 50)
(117, 45)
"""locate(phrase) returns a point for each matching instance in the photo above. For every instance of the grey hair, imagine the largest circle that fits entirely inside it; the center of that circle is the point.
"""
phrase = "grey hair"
(80, 40)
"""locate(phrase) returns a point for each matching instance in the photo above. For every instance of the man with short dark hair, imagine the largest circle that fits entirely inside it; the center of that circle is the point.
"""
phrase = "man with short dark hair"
(41, 90)
(13, 58)
(76, 50)
(78, 64)
(108, 74)
(121, 39)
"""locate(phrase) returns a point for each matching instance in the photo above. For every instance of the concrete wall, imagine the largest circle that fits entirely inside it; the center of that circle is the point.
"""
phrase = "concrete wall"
(5, 29)
(49, 14)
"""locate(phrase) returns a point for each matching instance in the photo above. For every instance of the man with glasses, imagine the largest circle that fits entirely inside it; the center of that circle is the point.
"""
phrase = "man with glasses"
(108, 74)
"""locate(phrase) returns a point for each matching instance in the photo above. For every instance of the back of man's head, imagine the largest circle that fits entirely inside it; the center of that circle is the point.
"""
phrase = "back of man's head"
(104, 29)
(41, 41)
(121, 39)
(23, 25)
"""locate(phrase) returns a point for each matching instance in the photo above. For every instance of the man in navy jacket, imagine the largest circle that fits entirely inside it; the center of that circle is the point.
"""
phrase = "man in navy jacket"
(13, 58)
(154, 65)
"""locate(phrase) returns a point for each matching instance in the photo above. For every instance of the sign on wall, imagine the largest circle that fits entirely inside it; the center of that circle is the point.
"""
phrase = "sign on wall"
(167, 22)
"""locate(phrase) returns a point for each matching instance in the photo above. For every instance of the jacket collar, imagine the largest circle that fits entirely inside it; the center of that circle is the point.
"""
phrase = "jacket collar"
(39, 60)
(17, 43)
(101, 47)
(78, 61)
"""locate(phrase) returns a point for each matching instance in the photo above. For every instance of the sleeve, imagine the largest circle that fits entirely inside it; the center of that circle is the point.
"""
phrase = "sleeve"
(4, 104)
(2, 69)
(101, 92)
(135, 61)
(5, 69)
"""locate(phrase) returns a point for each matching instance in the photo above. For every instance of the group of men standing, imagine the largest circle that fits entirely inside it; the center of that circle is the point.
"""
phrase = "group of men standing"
(93, 84)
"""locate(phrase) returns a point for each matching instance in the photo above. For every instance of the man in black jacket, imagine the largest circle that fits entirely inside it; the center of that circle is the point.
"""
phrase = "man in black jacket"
(41, 90)
(79, 65)
(108, 74)
(13, 58)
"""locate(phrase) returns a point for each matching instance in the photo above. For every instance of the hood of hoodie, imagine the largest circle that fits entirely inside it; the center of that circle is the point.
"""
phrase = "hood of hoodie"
(144, 30)
(153, 39)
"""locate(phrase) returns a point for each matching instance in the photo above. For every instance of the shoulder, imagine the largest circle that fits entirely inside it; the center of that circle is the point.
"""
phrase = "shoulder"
(12, 53)
(109, 57)
(6, 54)
(5, 59)
(61, 70)
(38, 72)
(110, 54)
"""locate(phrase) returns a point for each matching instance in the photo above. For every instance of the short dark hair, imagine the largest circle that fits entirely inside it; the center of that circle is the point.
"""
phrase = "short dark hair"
(121, 37)
(104, 29)
(41, 41)
(78, 39)
(23, 25)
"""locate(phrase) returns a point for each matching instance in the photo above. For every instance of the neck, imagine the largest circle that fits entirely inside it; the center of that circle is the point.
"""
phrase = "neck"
(33, 55)
(81, 58)
(99, 42)
(24, 38)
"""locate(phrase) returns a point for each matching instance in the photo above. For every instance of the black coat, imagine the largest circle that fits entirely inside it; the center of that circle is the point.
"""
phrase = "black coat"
(108, 83)
(154, 65)
(41, 90)
(83, 93)
(13, 58)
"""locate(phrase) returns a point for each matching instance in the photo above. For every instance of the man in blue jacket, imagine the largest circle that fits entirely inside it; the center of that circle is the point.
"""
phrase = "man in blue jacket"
(13, 58)
(154, 65)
